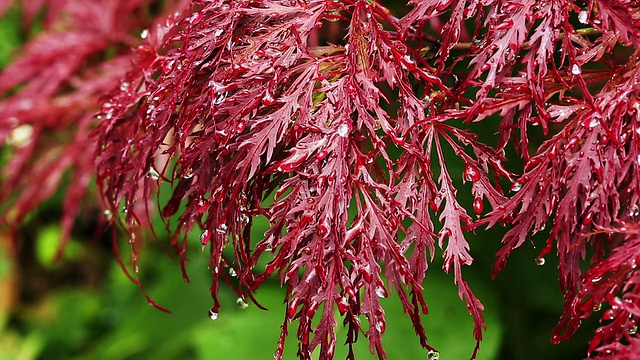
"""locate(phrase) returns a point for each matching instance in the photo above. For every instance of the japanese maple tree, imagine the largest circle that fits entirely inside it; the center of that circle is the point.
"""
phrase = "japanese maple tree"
(338, 121)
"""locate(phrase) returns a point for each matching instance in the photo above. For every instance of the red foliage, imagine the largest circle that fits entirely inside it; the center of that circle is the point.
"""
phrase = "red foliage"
(235, 105)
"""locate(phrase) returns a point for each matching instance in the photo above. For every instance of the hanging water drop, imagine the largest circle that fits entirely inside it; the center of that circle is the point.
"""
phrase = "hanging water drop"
(634, 210)
(213, 315)
(144, 33)
(575, 69)
(633, 330)
(597, 307)
(433, 355)
(204, 237)
(222, 229)
(478, 205)
(343, 130)
(241, 303)
(516, 187)
(583, 17)
(540, 261)
(153, 174)
(232, 272)
(381, 292)
(470, 173)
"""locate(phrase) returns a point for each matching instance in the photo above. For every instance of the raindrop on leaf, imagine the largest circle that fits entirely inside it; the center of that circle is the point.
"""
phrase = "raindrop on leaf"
(470, 173)
(478, 205)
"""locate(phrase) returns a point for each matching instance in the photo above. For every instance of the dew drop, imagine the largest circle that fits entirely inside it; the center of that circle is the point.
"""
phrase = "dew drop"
(516, 187)
(232, 272)
(597, 307)
(583, 17)
(153, 174)
(575, 69)
(204, 237)
(634, 210)
(144, 33)
(633, 330)
(540, 261)
(241, 303)
(321, 155)
(213, 315)
(433, 355)
(380, 326)
(343, 130)
(222, 229)
(108, 215)
(381, 292)
(478, 205)
(470, 173)
(20, 136)
(124, 86)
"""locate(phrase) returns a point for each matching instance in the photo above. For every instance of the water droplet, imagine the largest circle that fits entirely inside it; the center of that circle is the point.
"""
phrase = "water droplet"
(144, 33)
(241, 303)
(220, 98)
(583, 17)
(321, 155)
(540, 261)
(343, 130)
(634, 210)
(20, 136)
(222, 229)
(213, 315)
(124, 86)
(433, 355)
(470, 173)
(204, 238)
(232, 272)
(478, 205)
(597, 307)
(380, 326)
(108, 215)
(575, 69)
(594, 122)
(153, 174)
(381, 292)
(633, 330)
(516, 187)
